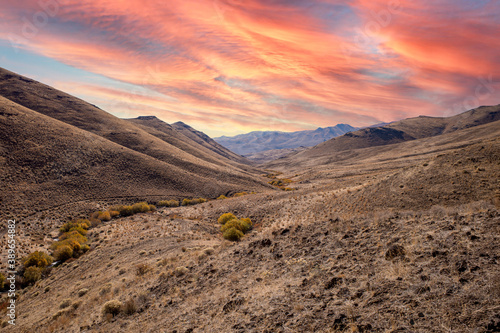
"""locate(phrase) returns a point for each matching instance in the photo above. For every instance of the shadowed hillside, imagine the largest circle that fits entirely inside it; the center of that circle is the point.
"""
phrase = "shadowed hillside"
(58, 149)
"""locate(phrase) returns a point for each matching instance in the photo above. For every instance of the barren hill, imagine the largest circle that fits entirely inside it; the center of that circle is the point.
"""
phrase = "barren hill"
(350, 144)
(400, 241)
(60, 163)
(192, 141)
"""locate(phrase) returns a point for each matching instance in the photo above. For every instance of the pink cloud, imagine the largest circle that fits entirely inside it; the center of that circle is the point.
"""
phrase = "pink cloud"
(247, 65)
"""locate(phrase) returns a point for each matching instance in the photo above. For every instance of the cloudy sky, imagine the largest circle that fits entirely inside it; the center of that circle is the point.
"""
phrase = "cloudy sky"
(233, 66)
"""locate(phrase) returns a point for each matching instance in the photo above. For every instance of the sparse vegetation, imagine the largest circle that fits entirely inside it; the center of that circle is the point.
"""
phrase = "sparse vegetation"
(233, 228)
(112, 308)
(224, 218)
(32, 274)
(142, 269)
(38, 259)
(190, 202)
(221, 197)
(168, 203)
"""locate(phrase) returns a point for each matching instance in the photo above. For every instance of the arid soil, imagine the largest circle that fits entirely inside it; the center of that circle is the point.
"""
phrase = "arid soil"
(352, 252)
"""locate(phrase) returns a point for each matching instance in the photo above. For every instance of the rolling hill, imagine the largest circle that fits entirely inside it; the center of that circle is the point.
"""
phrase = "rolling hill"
(56, 149)
(350, 145)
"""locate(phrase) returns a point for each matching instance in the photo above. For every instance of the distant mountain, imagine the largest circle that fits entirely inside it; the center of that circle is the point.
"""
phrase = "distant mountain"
(258, 141)
(397, 132)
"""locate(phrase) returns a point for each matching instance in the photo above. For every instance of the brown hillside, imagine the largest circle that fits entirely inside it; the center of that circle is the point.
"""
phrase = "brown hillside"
(46, 163)
(202, 146)
(364, 142)
(71, 110)
(206, 141)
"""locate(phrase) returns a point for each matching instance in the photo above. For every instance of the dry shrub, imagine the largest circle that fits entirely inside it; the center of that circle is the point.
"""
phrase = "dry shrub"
(32, 274)
(224, 218)
(105, 289)
(65, 303)
(82, 292)
(104, 216)
(63, 253)
(114, 213)
(168, 203)
(112, 307)
(129, 307)
(181, 270)
(142, 269)
(140, 207)
(232, 234)
(38, 258)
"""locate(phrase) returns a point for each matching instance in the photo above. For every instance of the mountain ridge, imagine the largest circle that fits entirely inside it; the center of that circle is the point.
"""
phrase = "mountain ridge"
(259, 141)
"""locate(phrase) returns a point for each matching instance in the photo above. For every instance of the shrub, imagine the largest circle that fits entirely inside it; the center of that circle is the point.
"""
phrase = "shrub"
(221, 197)
(168, 203)
(240, 194)
(186, 202)
(105, 289)
(140, 207)
(114, 213)
(94, 222)
(39, 259)
(224, 218)
(104, 216)
(235, 223)
(63, 253)
(129, 308)
(142, 269)
(181, 270)
(76, 304)
(2, 281)
(152, 208)
(125, 210)
(32, 274)
(112, 307)
(232, 234)
(73, 235)
(248, 224)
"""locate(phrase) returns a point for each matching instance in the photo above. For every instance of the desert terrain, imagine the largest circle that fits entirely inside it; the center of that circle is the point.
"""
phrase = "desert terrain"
(393, 229)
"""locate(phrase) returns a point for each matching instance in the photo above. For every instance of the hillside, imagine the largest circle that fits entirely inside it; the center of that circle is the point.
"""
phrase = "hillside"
(401, 239)
(84, 153)
(347, 145)
(192, 141)
(254, 142)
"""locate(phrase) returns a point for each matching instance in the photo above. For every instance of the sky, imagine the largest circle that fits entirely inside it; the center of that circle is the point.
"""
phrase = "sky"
(233, 66)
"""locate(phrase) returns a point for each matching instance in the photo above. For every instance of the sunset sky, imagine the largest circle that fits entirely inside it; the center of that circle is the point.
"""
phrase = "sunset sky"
(232, 66)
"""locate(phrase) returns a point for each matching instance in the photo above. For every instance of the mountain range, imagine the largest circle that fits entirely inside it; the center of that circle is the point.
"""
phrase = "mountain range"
(259, 141)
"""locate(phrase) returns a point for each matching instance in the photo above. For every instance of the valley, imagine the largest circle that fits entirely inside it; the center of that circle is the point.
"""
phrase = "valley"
(389, 229)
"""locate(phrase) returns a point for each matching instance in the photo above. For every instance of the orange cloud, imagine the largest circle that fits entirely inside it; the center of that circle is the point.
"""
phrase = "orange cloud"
(231, 65)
